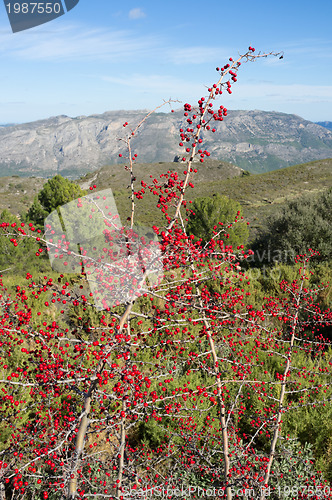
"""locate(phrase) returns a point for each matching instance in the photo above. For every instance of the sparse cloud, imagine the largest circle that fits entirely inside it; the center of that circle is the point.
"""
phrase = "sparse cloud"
(79, 43)
(317, 47)
(281, 92)
(166, 85)
(12, 103)
(297, 99)
(136, 13)
(76, 42)
(197, 55)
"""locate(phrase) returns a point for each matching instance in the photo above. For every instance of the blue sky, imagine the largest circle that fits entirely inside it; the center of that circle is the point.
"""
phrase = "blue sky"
(105, 55)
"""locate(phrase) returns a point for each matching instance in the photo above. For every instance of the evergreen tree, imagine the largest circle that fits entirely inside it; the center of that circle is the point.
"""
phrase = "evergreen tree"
(210, 215)
(56, 192)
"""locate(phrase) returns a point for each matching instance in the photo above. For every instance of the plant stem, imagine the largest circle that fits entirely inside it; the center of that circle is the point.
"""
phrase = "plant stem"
(283, 387)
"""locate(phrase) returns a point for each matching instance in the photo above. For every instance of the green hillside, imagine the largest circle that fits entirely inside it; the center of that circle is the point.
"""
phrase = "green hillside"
(260, 195)
(17, 193)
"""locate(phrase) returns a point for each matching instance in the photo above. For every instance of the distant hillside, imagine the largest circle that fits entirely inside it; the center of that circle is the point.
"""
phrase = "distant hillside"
(325, 124)
(17, 193)
(257, 141)
(260, 195)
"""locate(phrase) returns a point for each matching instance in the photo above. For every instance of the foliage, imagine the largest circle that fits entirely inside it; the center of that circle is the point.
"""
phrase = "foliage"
(189, 381)
(55, 192)
(302, 224)
(293, 463)
(215, 216)
(19, 259)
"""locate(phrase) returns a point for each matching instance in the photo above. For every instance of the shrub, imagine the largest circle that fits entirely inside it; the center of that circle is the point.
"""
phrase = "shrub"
(183, 380)
(56, 192)
(302, 224)
(217, 217)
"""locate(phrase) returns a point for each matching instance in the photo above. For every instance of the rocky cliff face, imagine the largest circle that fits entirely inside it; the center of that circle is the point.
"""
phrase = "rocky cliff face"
(257, 141)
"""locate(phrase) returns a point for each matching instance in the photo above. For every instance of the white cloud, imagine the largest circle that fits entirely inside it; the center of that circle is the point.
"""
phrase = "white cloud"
(279, 92)
(80, 43)
(136, 13)
(317, 47)
(76, 42)
(165, 85)
(198, 55)
(297, 99)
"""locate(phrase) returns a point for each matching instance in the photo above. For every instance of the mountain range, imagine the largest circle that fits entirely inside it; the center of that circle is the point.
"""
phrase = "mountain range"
(257, 141)
(325, 124)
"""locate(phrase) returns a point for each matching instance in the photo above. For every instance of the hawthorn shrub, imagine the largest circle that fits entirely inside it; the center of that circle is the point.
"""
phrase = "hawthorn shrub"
(184, 388)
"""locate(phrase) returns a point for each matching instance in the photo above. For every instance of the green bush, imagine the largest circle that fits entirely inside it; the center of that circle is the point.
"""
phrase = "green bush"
(210, 215)
(302, 224)
(56, 192)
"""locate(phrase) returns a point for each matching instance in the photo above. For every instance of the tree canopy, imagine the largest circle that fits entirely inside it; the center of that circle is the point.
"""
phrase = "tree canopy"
(56, 192)
(210, 215)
